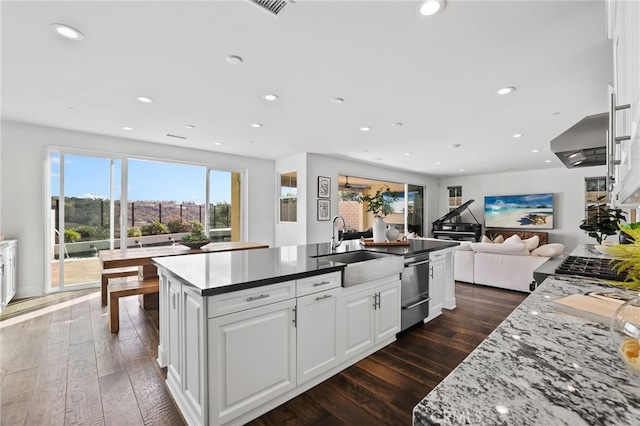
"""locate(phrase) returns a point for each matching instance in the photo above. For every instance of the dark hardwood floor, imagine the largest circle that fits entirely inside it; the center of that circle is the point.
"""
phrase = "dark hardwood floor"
(63, 366)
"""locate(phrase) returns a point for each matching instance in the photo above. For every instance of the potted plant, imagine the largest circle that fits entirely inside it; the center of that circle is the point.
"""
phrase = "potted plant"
(625, 236)
(602, 221)
(627, 260)
(380, 205)
(196, 238)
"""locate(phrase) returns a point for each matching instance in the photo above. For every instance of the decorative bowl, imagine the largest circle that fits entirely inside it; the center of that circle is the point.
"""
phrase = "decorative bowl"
(197, 245)
(625, 332)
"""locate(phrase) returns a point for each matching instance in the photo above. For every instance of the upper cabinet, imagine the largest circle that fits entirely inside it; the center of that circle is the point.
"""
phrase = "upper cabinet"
(624, 21)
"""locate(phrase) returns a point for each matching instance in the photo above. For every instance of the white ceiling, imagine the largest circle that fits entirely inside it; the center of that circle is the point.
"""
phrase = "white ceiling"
(437, 75)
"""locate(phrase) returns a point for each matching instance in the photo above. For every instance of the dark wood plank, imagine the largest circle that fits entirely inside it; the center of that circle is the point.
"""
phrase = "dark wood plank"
(84, 402)
(16, 393)
(119, 404)
(107, 350)
(47, 403)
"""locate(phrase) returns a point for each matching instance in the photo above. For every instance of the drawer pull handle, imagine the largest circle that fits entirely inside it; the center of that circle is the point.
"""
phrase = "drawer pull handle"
(326, 296)
(322, 283)
(417, 303)
(252, 298)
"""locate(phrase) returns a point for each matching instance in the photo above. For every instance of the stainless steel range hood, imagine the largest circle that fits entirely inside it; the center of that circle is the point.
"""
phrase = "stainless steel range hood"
(584, 144)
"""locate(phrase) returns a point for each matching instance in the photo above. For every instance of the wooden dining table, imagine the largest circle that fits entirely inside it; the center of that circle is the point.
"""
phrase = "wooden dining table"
(141, 257)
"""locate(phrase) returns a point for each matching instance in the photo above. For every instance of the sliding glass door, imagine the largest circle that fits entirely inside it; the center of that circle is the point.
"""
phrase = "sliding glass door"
(84, 213)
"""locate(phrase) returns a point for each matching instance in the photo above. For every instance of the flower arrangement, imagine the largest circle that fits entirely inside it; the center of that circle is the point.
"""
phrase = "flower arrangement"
(378, 204)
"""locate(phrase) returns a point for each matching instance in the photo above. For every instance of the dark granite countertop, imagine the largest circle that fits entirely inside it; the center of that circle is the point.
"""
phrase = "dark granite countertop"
(217, 273)
(539, 367)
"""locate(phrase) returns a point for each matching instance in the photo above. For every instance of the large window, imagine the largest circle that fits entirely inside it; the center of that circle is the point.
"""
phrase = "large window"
(162, 198)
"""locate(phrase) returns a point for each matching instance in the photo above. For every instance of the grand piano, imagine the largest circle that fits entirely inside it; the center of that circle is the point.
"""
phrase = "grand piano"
(444, 228)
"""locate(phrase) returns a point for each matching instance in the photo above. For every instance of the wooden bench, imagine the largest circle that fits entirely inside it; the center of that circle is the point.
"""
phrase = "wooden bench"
(107, 274)
(127, 288)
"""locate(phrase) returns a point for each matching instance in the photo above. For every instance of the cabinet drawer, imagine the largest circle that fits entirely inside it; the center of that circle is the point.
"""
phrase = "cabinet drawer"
(437, 255)
(223, 304)
(318, 283)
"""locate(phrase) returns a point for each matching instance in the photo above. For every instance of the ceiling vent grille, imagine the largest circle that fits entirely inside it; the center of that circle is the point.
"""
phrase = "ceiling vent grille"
(176, 136)
(272, 6)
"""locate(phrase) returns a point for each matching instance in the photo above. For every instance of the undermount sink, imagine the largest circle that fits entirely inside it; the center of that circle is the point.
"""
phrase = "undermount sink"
(363, 266)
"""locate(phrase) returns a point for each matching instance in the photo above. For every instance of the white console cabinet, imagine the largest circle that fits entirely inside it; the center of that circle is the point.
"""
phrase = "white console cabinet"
(8, 282)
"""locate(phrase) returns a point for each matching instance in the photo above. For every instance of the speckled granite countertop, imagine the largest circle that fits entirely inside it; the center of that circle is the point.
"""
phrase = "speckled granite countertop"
(539, 367)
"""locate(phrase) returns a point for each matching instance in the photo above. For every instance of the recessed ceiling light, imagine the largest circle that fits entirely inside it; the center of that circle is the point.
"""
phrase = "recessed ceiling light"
(67, 32)
(556, 113)
(144, 99)
(337, 100)
(438, 163)
(252, 141)
(518, 135)
(547, 161)
(256, 125)
(506, 90)
(190, 126)
(462, 170)
(397, 124)
(407, 153)
(217, 143)
(127, 128)
(234, 59)
(377, 159)
(535, 150)
(71, 108)
(271, 97)
(430, 7)
(365, 129)
(455, 145)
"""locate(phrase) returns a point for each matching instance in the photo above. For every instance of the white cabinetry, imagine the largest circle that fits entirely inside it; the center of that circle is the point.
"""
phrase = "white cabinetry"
(369, 316)
(252, 359)
(8, 283)
(186, 354)
(625, 18)
(441, 282)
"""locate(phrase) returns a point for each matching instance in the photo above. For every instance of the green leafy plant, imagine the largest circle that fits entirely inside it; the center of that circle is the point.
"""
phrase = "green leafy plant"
(627, 260)
(134, 231)
(71, 236)
(379, 203)
(196, 235)
(154, 228)
(176, 224)
(602, 221)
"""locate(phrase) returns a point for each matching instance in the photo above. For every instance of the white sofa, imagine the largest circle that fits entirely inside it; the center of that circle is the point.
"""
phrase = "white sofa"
(507, 265)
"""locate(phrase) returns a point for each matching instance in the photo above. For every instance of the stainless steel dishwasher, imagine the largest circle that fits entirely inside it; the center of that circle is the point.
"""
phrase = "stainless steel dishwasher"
(415, 290)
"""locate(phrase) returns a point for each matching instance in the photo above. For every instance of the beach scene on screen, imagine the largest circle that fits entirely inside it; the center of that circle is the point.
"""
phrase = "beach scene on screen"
(519, 211)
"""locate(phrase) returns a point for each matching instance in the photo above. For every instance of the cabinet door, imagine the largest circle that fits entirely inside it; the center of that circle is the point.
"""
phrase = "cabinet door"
(193, 340)
(252, 359)
(10, 274)
(173, 344)
(3, 282)
(358, 322)
(317, 322)
(437, 287)
(387, 315)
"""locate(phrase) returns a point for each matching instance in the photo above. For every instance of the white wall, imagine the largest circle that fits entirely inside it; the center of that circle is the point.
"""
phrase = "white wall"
(567, 185)
(22, 187)
(292, 233)
(319, 165)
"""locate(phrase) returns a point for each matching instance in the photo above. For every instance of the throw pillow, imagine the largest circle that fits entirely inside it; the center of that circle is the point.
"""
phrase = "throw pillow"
(498, 240)
(486, 239)
(518, 249)
(515, 238)
(549, 250)
(532, 243)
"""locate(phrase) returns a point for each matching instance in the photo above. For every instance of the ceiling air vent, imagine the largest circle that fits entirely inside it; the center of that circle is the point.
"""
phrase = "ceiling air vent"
(272, 6)
(176, 136)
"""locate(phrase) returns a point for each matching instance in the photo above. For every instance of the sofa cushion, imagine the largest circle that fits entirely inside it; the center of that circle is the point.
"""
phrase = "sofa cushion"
(549, 250)
(518, 249)
(464, 246)
(498, 240)
(515, 238)
(530, 243)
(485, 239)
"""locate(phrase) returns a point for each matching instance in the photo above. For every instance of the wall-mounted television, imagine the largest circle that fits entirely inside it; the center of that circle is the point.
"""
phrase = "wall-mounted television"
(530, 211)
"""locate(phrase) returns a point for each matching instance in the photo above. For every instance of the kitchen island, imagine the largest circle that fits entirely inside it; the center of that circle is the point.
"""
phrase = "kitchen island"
(243, 332)
(540, 367)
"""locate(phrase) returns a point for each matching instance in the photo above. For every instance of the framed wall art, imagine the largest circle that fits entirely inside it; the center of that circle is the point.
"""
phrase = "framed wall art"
(324, 209)
(324, 187)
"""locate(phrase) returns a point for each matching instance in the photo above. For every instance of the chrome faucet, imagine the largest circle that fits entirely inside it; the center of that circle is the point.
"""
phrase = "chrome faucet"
(335, 245)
